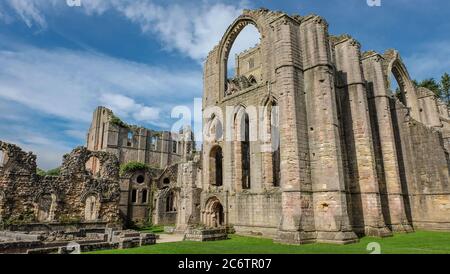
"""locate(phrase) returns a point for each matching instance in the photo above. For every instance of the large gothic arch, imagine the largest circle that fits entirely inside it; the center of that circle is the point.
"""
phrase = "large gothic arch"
(395, 65)
(251, 17)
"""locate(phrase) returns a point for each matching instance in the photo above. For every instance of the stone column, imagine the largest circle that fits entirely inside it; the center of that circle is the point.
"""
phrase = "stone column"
(330, 202)
(395, 215)
(297, 223)
(364, 188)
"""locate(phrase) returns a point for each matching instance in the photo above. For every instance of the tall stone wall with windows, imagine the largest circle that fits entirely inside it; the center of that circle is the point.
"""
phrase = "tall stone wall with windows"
(354, 160)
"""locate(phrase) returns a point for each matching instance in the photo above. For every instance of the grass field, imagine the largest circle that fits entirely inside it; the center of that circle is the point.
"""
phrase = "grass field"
(420, 242)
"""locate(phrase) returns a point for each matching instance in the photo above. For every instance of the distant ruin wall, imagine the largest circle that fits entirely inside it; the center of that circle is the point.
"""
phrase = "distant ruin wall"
(76, 195)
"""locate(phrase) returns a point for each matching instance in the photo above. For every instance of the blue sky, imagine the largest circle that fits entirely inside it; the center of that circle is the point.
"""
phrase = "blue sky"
(143, 57)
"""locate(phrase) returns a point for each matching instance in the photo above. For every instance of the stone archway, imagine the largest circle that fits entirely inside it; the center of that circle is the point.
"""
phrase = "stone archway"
(214, 215)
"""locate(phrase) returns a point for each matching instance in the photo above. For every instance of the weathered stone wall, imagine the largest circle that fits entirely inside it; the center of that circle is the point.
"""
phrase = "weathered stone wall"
(76, 195)
(348, 162)
(425, 171)
(132, 143)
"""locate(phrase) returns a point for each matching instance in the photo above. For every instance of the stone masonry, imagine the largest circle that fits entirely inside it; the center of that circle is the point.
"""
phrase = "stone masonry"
(306, 143)
(354, 159)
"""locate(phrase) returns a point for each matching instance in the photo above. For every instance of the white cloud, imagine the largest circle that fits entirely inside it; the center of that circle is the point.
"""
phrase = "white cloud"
(190, 28)
(40, 87)
(28, 11)
(125, 106)
(431, 59)
(70, 84)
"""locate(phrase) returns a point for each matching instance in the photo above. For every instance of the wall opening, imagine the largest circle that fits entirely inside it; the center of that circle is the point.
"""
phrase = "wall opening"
(216, 166)
(275, 141)
(174, 146)
(153, 142)
(130, 138)
(92, 208)
(140, 179)
(214, 215)
(134, 196)
(245, 144)
(93, 166)
(166, 181)
(170, 202)
(243, 60)
(397, 86)
(144, 196)
(46, 206)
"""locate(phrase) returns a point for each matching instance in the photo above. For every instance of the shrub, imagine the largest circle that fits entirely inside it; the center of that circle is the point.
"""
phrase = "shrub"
(132, 166)
(116, 121)
(54, 172)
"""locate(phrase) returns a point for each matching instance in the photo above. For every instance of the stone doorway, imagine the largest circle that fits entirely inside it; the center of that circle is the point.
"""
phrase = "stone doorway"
(214, 215)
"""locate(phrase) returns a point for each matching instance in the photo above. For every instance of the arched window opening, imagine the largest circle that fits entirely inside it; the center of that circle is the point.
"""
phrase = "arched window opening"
(134, 196)
(398, 86)
(93, 166)
(243, 60)
(216, 173)
(130, 138)
(144, 196)
(153, 142)
(275, 138)
(245, 144)
(174, 146)
(170, 202)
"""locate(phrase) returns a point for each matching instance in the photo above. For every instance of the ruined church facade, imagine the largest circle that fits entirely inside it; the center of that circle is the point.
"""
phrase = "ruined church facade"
(350, 158)
(307, 143)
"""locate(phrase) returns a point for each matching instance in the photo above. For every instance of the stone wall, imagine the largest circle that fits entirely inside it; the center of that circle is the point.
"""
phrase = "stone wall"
(352, 160)
(425, 171)
(76, 195)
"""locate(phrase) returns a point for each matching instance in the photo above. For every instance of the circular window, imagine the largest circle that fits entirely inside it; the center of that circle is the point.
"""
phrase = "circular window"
(140, 179)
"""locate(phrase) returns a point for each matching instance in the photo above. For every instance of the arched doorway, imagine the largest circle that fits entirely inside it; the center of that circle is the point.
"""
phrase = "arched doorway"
(214, 215)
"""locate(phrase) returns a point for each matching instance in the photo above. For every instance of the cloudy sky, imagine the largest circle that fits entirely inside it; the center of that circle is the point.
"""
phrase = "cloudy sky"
(143, 57)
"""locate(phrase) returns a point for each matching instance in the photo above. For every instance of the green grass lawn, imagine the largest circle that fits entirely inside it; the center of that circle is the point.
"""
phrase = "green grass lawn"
(420, 242)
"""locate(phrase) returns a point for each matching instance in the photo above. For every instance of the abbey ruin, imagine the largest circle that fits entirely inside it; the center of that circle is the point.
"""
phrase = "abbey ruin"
(308, 142)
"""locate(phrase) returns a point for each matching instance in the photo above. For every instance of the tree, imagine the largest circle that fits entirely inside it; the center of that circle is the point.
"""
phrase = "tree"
(432, 85)
(445, 88)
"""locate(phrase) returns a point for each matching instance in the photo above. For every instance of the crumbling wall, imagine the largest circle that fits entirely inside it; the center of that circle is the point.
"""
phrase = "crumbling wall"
(76, 195)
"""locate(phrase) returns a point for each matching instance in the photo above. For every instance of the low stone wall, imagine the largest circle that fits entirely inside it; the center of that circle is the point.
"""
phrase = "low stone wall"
(205, 234)
(62, 243)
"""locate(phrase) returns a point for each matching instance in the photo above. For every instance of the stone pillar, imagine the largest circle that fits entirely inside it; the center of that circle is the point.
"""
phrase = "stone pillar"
(297, 221)
(330, 202)
(364, 188)
(395, 215)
